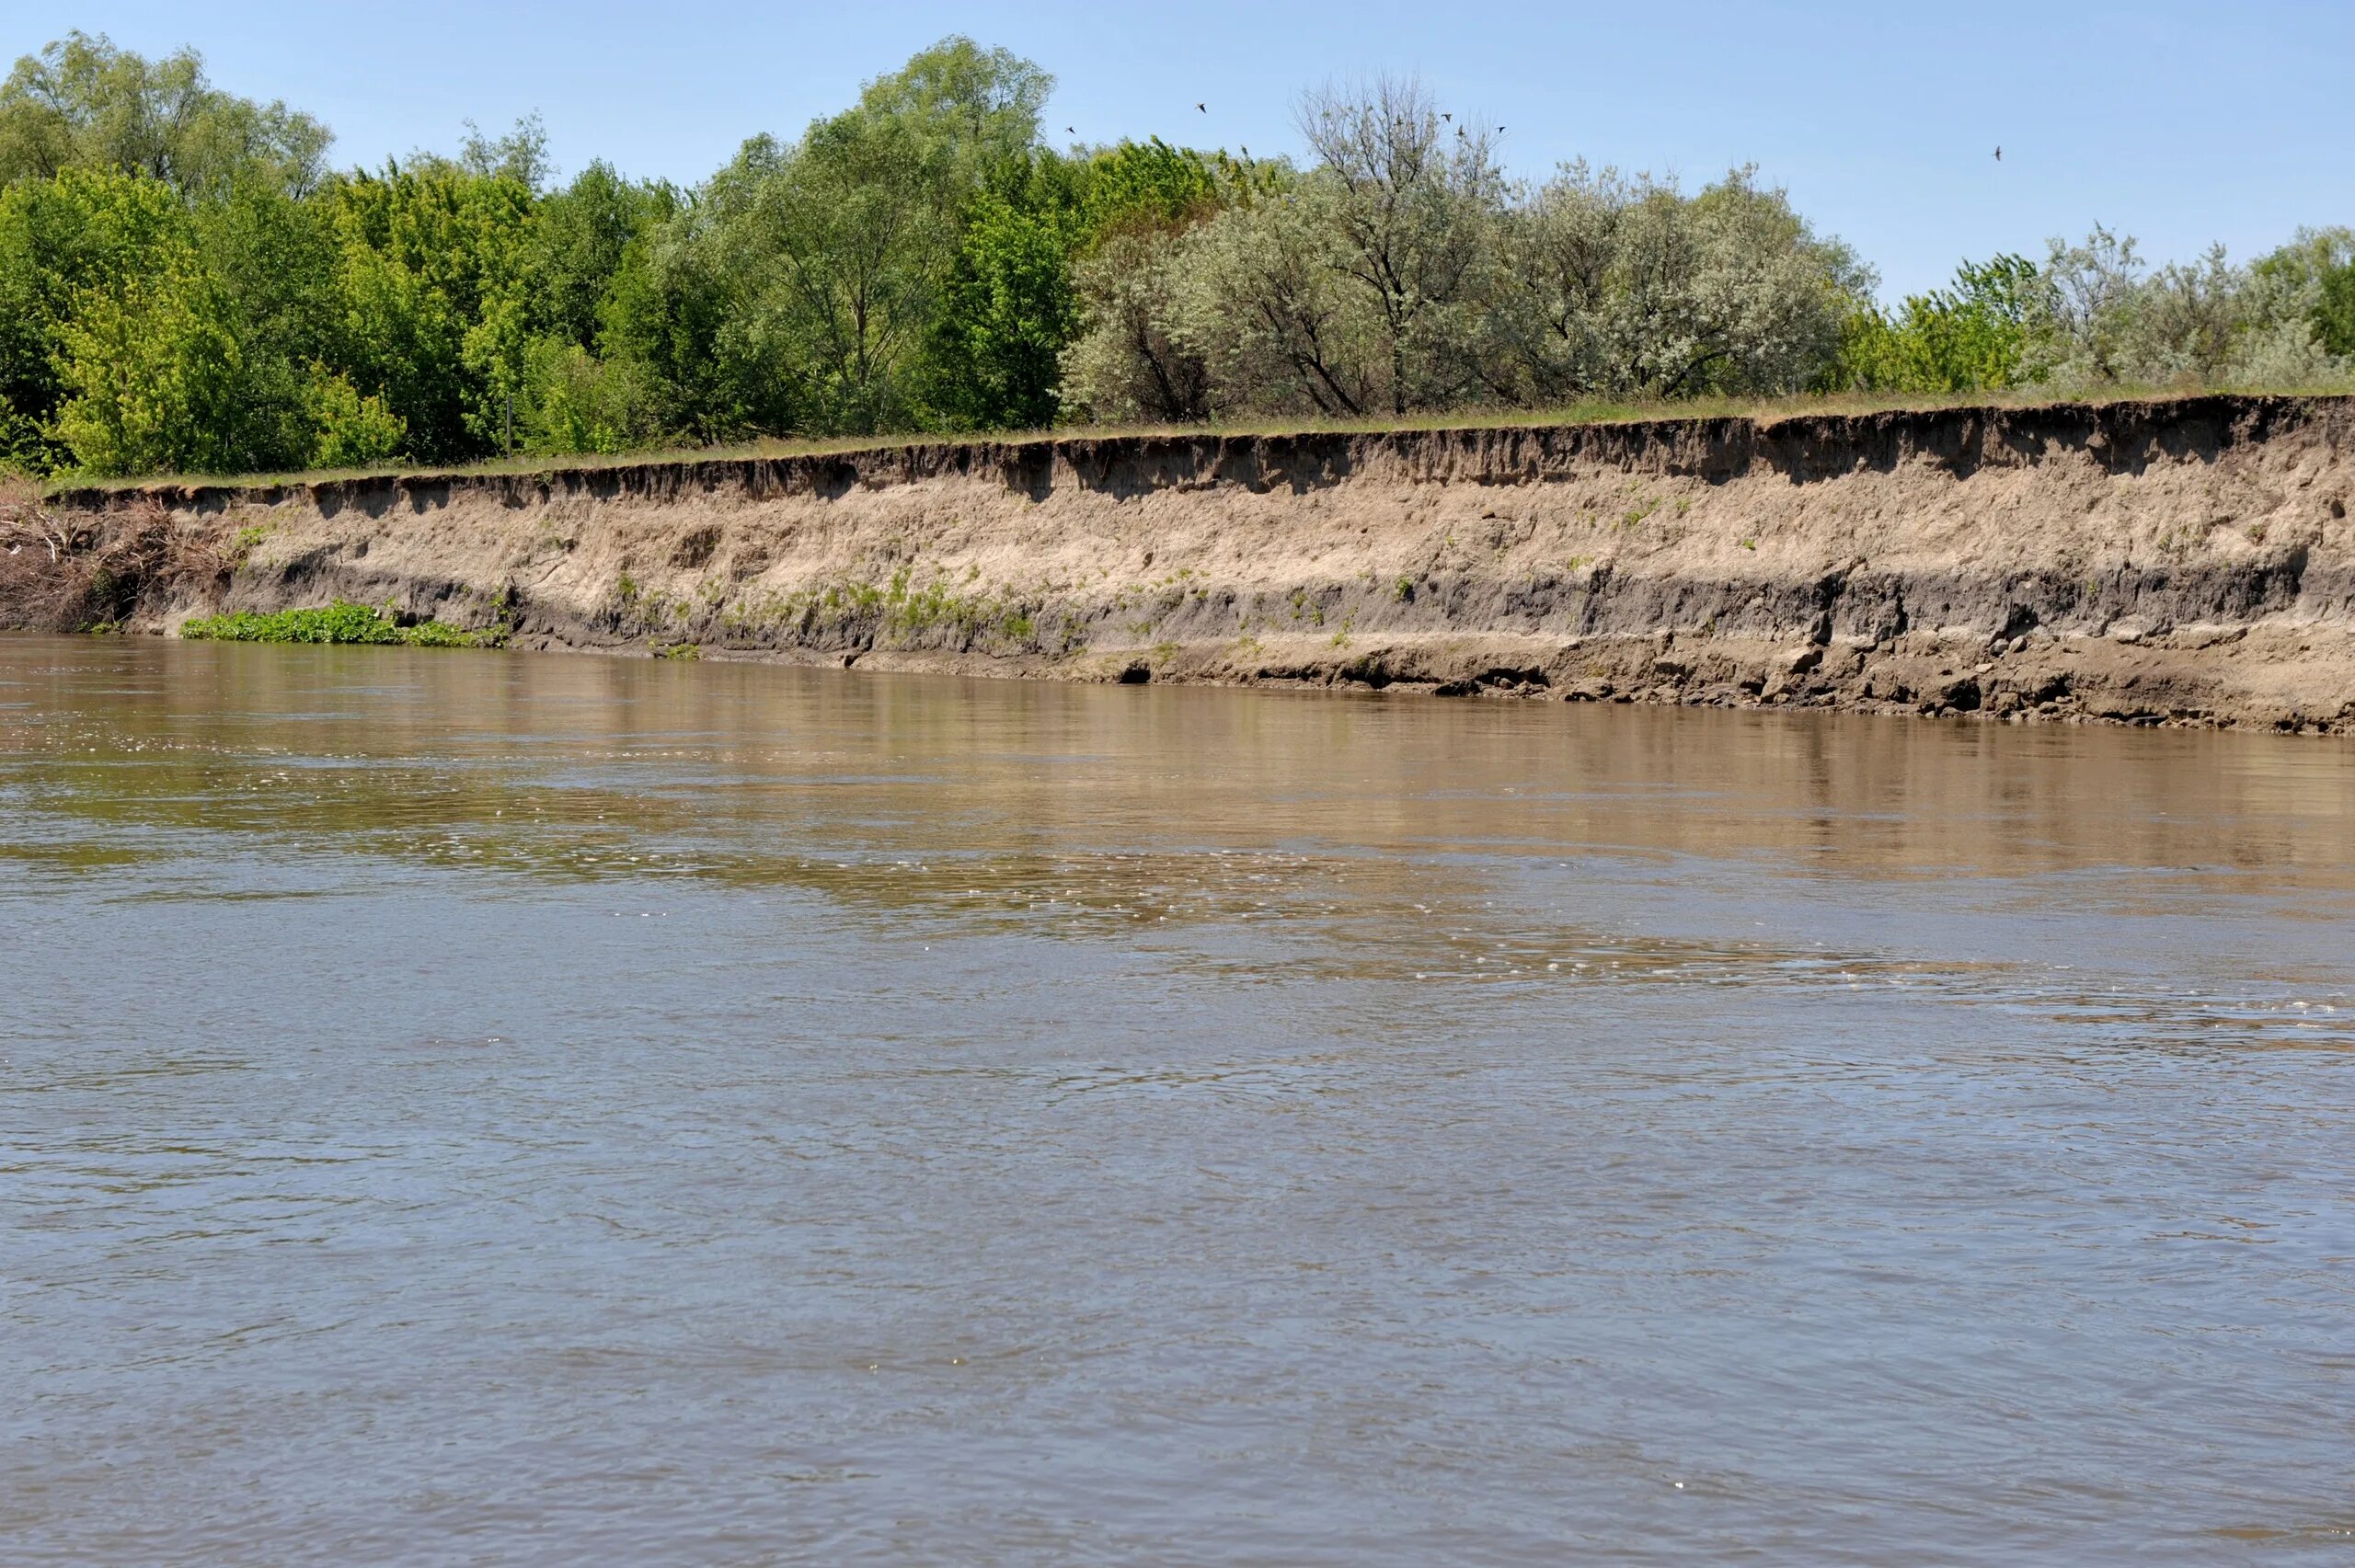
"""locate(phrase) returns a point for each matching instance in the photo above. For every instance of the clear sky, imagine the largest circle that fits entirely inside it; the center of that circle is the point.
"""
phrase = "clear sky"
(2179, 123)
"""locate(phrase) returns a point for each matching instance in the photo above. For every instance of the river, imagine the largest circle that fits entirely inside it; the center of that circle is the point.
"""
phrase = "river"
(480, 1107)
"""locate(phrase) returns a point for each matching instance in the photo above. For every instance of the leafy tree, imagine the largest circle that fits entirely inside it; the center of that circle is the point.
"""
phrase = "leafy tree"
(1406, 208)
(1128, 361)
(2108, 320)
(2312, 275)
(82, 103)
(521, 155)
(80, 235)
(436, 306)
(979, 107)
(1007, 307)
(162, 373)
(2335, 310)
(580, 237)
(350, 431)
(1618, 287)
(1149, 184)
(1261, 300)
(196, 362)
(665, 322)
(1972, 335)
(835, 250)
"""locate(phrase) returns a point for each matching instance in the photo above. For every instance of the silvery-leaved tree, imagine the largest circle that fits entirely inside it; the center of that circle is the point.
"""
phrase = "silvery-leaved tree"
(1359, 287)
(1619, 286)
(1408, 199)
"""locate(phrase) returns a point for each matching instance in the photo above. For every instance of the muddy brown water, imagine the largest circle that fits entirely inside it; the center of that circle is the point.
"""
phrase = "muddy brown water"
(469, 1107)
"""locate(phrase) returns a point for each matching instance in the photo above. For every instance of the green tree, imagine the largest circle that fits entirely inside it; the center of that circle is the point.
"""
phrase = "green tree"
(349, 430)
(81, 234)
(835, 250)
(1129, 360)
(581, 235)
(2335, 312)
(664, 323)
(1970, 336)
(1407, 204)
(82, 103)
(1617, 287)
(979, 107)
(434, 281)
(1008, 310)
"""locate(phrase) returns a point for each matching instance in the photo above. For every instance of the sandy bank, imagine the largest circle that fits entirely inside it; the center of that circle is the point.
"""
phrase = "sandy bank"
(2186, 561)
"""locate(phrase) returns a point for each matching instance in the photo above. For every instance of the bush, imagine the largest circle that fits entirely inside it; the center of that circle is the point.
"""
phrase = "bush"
(354, 432)
(341, 621)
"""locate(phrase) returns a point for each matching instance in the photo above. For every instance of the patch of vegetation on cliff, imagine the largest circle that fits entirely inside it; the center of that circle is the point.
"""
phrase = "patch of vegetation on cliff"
(341, 621)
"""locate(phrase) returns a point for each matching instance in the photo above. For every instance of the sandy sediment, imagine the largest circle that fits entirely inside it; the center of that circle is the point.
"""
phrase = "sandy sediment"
(2186, 561)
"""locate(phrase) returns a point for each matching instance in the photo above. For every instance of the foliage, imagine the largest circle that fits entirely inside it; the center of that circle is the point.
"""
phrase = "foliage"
(1621, 286)
(79, 236)
(341, 621)
(83, 103)
(184, 285)
(1974, 335)
(350, 430)
(1007, 307)
(434, 286)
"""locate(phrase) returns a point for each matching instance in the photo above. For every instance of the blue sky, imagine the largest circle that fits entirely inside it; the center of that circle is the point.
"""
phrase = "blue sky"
(2179, 123)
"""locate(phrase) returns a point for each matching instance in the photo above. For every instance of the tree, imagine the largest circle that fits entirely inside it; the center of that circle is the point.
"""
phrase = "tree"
(1007, 308)
(2205, 323)
(834, 251)
(1972, 335)
(1261, 300)
(1126, 360)
(580, 237)
(1619, 287)
(979, 107)
(436, 303)
(665, 323)
(1407, 201)
(80, 235)
(81, 103)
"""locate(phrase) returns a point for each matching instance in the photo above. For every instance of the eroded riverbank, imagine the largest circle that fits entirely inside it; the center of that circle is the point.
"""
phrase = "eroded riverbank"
(2186, 561)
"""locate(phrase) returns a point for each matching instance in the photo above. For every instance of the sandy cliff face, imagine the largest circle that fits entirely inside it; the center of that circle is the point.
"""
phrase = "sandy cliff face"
(2181, 561)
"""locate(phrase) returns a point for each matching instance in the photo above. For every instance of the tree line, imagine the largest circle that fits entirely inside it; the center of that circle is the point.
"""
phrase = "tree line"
(188, 285)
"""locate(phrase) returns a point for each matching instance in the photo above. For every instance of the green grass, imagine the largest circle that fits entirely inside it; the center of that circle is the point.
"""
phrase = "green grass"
(1765, 411)
(341, 621)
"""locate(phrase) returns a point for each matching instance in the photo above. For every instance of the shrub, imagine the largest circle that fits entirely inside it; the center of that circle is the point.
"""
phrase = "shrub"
(341, 621)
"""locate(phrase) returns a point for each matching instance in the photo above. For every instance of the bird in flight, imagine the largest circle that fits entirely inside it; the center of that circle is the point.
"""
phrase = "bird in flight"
(1444, 115)
(1203, 106)
(1999, 155)
(1070, 131)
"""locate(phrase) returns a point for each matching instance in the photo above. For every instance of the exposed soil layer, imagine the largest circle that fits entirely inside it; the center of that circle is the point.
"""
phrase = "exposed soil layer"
(2186, 561)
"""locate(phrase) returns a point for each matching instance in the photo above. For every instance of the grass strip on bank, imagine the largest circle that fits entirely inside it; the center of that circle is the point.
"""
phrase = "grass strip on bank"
(341, 621)
(1765, 411)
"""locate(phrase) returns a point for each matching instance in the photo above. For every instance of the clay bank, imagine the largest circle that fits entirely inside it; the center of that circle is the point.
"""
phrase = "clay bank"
(2185, 561)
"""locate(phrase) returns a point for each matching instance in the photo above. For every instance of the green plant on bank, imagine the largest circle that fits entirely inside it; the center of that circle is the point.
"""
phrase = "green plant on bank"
(341, 621)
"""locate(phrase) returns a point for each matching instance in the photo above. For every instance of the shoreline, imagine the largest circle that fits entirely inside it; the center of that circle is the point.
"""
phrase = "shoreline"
(2181, 562)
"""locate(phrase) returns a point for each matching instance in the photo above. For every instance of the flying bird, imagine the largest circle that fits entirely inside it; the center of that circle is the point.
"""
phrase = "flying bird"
(1999, 155)
(1070, 131)
(1444, 115)
(1203, 106)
